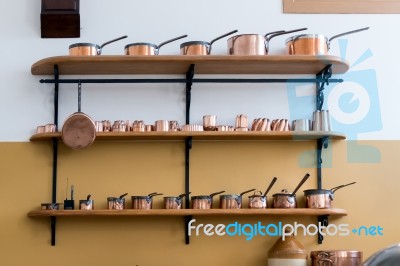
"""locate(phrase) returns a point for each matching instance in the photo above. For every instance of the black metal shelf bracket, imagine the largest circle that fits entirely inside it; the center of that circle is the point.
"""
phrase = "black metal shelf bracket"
(324, 77)
(188, 147)
(322, 221)
(55, 157)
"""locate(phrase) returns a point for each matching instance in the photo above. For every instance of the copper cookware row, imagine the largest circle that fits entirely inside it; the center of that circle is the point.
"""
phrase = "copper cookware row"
(242, 44)
(314, 198)
(79, 130)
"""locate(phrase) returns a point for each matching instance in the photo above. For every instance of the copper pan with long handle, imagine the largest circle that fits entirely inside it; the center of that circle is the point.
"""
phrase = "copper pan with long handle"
(83, 49)
(313, 44)
(79, 129)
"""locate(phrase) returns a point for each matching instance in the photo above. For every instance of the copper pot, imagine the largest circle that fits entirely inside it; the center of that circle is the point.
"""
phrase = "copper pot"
(204, 201)
(321, 198)
(200, 47)
(286, 199)
(336, 258)
(312, 44)
(116, 203)
(81, 49)
(144, 48)
(174, 202)
(260, 201)
(144, 202)
(79, 130)
(253, 44)
(232, 201)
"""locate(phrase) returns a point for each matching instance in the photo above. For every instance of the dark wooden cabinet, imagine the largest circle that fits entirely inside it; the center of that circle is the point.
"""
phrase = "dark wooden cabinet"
(60, 19)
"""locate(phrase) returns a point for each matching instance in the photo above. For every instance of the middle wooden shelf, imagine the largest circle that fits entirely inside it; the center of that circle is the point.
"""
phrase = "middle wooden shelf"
(203, 135)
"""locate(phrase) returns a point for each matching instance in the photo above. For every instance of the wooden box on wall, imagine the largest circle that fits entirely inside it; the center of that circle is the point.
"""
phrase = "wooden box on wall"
(60, 19)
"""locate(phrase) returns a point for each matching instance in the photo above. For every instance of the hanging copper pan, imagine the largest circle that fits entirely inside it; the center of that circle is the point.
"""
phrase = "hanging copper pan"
(79, 130)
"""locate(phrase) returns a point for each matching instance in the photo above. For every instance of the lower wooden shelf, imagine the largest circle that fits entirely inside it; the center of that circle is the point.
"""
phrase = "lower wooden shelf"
(195, 212)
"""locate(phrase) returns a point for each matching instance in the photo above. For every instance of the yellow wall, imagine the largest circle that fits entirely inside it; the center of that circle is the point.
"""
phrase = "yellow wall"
(111, 169)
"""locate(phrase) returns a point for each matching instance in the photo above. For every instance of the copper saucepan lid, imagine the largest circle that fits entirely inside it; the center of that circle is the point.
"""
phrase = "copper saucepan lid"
(79, 130)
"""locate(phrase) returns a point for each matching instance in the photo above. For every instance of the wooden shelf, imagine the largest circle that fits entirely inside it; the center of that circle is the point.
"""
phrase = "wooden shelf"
(179, 64)
(184, 212)
(203, 135)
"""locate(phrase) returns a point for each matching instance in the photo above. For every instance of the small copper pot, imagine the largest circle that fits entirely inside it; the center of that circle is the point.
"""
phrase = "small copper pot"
(258, 201)
(286, 199)
(321, 198)
(174, 202)
(200, 47)
(312, 44)
(204, 201)
(253, 44)
(144, 48)
(82, 49)
(50, 206)
(116, 203)
(144, 202)
(232, 201)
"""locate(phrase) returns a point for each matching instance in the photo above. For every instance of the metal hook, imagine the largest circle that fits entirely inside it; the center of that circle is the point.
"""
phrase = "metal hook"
(79, 95)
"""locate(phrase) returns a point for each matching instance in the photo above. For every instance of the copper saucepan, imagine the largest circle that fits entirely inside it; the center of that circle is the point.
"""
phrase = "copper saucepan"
(201, 47)
(144, 202)
(313, 44)
(174, 202)
(232, 201)
(321, 198)
(144, 48)
(253, 44)
(79, 130)
(260, 201)
(204, 201)
(81, 49)
(286, 199)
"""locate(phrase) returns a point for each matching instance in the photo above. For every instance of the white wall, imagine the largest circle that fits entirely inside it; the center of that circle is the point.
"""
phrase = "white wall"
(24, 103)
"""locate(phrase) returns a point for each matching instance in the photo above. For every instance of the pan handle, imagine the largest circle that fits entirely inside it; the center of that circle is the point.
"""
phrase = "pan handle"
(283, 32)
(247, 191)
(114, 40)
(216, 193)
(273, 32)
(79, 95)
(271, 35)
(346, 33)
(216, 39)
(171, 40)
(300, 184)
(338, 187)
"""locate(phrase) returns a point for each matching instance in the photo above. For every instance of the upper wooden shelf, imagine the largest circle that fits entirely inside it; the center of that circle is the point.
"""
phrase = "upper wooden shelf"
(197, 212)
(179, 64)
(203, 135)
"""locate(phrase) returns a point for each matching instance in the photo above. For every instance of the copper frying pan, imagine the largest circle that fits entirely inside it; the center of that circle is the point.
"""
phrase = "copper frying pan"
(79, 130)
